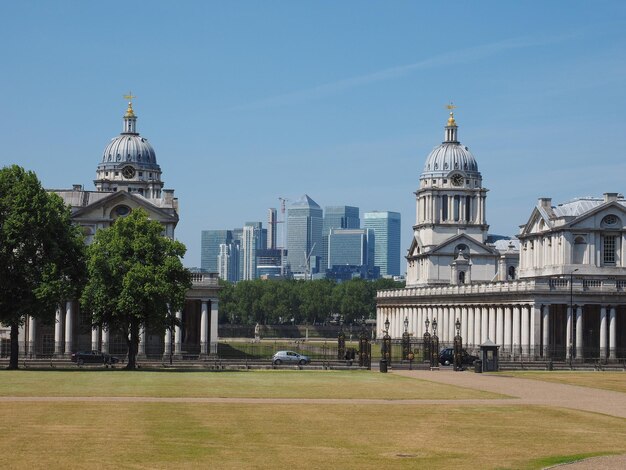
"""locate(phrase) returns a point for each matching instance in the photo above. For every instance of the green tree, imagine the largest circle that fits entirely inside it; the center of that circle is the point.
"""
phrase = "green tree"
(353, 299)
(41, 252)
(317, 300)
(136, 278)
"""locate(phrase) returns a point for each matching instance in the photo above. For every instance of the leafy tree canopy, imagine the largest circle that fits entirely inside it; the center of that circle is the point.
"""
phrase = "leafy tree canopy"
(41, 252)
(273, 301)
(136, 278)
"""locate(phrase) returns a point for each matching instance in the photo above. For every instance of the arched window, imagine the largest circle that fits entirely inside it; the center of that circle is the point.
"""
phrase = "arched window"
(511, 273)
(462, 277)
(444, 208)
(580, 246)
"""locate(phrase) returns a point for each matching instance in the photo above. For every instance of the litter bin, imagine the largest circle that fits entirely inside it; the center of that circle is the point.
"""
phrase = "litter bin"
(478, 366)
(383, 365)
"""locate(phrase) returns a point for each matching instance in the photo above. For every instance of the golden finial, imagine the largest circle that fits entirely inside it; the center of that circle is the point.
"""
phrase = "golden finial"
(451, 121)
(129, 111)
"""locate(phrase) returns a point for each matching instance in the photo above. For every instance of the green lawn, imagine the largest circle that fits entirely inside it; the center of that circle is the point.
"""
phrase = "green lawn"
(260, 384)
(606, 380)
(106, 434)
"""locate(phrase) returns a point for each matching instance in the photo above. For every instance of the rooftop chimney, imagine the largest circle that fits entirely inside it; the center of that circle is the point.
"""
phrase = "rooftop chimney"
(545, 202)
(608, 197)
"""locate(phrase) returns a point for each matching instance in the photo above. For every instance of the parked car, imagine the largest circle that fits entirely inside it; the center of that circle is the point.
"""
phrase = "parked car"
(93, 357)
(446, 357)
(289, 357)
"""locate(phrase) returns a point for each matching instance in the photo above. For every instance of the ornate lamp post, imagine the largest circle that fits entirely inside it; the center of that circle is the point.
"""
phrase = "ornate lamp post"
(434, 347)
(386, 347)
(406, 340)
(364, 346)
(341, 341)
(426, 341)
(458, 347)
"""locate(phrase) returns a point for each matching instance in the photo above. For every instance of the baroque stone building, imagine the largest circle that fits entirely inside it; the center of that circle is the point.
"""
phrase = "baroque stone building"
(558, 291)
(128, 177)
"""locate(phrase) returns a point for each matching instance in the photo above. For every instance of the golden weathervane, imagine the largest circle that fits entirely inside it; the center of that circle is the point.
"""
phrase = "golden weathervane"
(129, 97)
(451, 107)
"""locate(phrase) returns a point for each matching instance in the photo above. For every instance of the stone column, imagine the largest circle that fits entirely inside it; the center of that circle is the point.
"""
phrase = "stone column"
(478, 312)
(492, 323)
(517, 329)
(525, 342)
(58, 332)
(500, 326)
(32, 333)
(95, 338)
(612, 334)
(214, 338)
(204, 329)
(579, 332)
(484, 326)
(464, 325)
(545, 315)
(470, 326)
(141, 349)
(604, 351)
(507, 329)
(167, 344)
(178, 337)
(568, 333)
(442, 324)
(106, 334)
(69, 327)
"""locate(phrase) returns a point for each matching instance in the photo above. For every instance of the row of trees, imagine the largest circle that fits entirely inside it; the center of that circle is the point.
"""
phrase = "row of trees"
(273, 302)
(127, 277)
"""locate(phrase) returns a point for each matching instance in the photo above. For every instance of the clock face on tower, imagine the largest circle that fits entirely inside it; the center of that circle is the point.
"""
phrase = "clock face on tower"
(457, 180)
(128, 172)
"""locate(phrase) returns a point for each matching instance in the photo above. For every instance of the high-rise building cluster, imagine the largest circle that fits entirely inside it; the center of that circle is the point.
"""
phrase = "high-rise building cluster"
(314, 244)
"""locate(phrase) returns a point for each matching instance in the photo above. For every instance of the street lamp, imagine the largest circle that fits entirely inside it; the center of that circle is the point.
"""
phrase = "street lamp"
(406, 340)
(458, 347)
(571, 310)
(387, 326)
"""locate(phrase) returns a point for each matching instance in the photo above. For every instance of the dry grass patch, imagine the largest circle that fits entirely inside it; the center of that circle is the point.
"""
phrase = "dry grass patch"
(152, 435)
(606, 380)
(258, 384)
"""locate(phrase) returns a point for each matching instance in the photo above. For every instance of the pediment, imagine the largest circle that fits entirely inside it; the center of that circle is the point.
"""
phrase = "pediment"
(104, 208)
(415, 249)
(593, 218)
(475, 248)
(537, 222)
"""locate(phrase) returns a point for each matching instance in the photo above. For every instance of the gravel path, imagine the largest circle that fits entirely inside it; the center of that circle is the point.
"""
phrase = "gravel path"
(537, 392)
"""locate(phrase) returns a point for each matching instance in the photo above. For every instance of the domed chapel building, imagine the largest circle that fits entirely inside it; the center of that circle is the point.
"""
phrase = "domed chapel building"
(558, 290)
(128, 177)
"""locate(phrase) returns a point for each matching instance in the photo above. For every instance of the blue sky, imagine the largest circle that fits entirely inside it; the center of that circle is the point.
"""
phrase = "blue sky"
(248, 101)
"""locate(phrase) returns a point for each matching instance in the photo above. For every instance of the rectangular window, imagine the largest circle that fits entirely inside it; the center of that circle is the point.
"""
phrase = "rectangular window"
(609, 250)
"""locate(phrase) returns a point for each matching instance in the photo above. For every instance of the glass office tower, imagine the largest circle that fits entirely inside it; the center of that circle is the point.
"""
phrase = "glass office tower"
(386, 227)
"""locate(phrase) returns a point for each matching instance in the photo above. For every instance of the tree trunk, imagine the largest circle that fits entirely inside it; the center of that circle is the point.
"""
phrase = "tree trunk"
(133, 343)
(15, 347)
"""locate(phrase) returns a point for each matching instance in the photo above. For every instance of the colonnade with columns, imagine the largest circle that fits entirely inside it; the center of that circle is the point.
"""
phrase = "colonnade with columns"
(66, 335)
(520, 329)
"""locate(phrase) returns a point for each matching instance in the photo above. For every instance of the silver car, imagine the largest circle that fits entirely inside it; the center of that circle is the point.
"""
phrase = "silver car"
(289, 357)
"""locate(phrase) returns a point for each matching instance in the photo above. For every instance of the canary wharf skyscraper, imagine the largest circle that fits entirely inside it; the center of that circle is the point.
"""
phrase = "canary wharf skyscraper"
(304, 235)
(386, 226)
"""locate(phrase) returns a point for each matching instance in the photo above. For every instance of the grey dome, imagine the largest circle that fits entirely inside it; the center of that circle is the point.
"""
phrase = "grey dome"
(447, 157)
(450, 156)
(130, 148)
